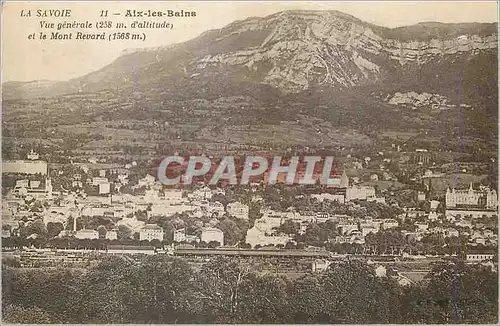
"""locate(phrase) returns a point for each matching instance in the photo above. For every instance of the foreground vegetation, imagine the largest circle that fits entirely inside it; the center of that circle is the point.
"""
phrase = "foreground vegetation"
(167, 290)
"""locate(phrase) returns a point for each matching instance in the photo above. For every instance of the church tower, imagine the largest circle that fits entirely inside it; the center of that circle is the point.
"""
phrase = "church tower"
(344, 180)
(450, 197)
(48, 187)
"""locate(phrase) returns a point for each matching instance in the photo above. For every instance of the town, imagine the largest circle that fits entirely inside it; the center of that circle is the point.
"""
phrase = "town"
(83, 207)
(405, 229)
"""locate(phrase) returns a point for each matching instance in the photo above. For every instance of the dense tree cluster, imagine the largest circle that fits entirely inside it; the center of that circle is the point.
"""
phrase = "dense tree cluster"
(161, 289)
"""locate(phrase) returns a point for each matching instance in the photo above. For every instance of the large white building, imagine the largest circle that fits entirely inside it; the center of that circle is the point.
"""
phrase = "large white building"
(258, 236)
(27, 167)
(484, 198)
(359, 192)
(479, 257)
(209, 234)
(151, 232)
(164, 209)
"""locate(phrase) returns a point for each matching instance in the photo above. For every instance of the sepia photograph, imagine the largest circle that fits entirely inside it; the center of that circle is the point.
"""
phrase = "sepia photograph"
(253, 162)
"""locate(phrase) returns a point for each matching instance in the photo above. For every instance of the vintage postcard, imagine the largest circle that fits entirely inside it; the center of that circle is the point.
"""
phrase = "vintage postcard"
(249, 162)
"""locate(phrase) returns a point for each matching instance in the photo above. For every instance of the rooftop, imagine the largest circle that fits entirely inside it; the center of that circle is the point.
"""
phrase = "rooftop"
(151, 227)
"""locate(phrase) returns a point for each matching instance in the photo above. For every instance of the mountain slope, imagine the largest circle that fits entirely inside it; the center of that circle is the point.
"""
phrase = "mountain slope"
(321, 66)
(293, 51)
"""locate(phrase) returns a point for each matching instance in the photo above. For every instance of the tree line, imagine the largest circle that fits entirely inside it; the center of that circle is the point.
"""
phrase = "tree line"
(161, 289)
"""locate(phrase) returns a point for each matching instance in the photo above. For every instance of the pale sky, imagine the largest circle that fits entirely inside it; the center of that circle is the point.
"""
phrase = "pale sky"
(26, 60)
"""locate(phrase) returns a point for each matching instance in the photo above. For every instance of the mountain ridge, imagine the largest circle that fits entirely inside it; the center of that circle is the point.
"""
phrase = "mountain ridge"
(289, 50)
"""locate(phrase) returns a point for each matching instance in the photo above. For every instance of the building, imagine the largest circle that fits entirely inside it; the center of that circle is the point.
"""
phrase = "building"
(319, 265)
(96, 210)
(403, 280)
(354, 237)
(180, 235)
(380, 200)
(192, 238)
(201, 194)
(455, 214)
(104, 188)
(87, 234)
(151, 196)
(485, 198)
(359, 192)
(381, 271)
(422, 226)
(111, 235)
(331, 197)
(434, 205)
(33, 156)
(27, 167)
(238, 210)
(25, 183)
(367, 230)
(389, 223)
(257, 236)
(151, 232)
(36, 189)
(173, 196)
(216, 208)
(433, 216)
(5, 233)
(132, 224)
(479, 257)
(209, 234)
(346, 227)
(98, 180)
(123, 178)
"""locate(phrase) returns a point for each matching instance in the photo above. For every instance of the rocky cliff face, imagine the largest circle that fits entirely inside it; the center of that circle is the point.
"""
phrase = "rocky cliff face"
(422, 52)
(303, 48)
